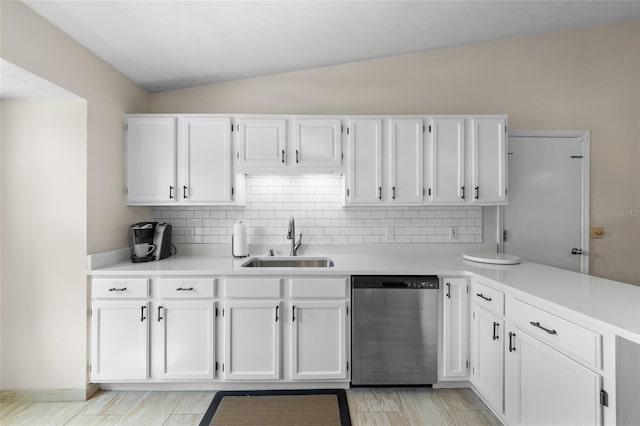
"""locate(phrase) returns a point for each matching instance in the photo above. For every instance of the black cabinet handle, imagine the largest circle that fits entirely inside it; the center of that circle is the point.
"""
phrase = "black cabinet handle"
(293, 318)
(283, 156)
(379, 193)
(482, 296)
(393, 192)
(142, 317)
(184, 191)
(495, 330)
(277, 308)
(184, 289)
(477, 189)
(118, 289)
(171, 192)
(297, 156)
(449, 290)
(160, 313)
(462, 189)
(512, 346)
(537, 324)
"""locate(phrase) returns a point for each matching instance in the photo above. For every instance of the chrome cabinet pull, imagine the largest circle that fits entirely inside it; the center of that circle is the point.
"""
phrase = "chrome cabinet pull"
(118, 289)
(449, 290)
(537, 324)
(293, 319)
(277, 308)
(482, 296)
(512, 346)
(495, 330)
(160, 317)
(184, 289)
(142, 317)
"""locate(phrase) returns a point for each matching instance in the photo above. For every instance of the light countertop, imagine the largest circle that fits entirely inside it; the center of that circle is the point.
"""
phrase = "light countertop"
(614, 304)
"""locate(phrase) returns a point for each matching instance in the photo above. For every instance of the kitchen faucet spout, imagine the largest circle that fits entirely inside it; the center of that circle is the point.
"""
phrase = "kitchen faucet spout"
(291, 235)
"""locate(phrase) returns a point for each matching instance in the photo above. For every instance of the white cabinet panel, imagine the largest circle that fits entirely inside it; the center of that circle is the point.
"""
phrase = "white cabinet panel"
(446, 161)
(365, 162)
(544, 387)
(206, 160)
(488, 160)
(119, 340)
(151, 159)
(487, 356)
(262, 142)
(317, 142)
(187, 339)
(455, 329)
(318, 340)
(252, 340)
(406, 160)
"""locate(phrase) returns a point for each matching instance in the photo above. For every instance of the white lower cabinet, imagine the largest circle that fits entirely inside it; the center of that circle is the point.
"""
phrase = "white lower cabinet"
(252, 340)
(487, 356)
(545, 387)
(454, 363)
(119, 340)
(187, 335)
(318, 340)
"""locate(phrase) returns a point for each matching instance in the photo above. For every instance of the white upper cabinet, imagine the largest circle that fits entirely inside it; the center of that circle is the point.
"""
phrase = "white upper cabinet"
(406, 144)
(445, 163)
(262, 142)
(488, 161)
(364, 175)
(151, 159)
(317, 142)
(205, 167)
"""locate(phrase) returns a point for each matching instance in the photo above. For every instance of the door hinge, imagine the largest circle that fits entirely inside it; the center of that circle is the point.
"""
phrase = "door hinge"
(473, 370)
(223, 366)
(126, 127)
(474, 315)
(341, 128)
(90, 312)
(347, 192)
(504, 235)
(467, 364)
(424, 128)
(232, 190)
(238, 155)
(223, 315)
(505, 129)
(347, 366)
(342, 155)
(467, 293)
(347, 310)
(604, 398)
(126, 190)
(90, 368)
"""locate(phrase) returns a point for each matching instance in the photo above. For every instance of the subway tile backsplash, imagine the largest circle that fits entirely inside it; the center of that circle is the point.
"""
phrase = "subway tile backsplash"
(315, 203)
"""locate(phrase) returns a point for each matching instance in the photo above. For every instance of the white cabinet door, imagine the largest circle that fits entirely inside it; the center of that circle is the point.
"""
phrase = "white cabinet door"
(318, 340)
(317, 142)
(206, 160)
(487, 356)
(488, 160)
(406, 160)
(119, 341)
(446, 161)
(455, 328)
(545, 387)
(364, 182)
(151, 160)
(187, 334)
(262, 142)
(252, 340)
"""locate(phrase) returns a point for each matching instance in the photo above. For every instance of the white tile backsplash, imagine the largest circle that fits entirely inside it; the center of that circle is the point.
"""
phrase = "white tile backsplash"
(315, 203)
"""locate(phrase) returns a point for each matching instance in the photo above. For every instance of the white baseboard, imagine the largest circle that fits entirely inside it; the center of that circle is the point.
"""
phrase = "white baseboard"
(49, 395)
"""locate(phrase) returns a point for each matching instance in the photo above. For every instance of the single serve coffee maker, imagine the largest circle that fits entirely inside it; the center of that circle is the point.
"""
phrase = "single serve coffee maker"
(150, 241)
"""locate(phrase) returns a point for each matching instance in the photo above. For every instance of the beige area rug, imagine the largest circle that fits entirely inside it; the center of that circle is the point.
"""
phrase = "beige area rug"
(282, 408)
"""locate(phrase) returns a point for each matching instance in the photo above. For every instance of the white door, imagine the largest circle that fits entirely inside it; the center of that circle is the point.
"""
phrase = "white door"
(488, 160)
(545, 387)
(252, 340)
(455, 328)
(407, 160)
(317, 142)
(318, 340)
(445, 161)
(187, 335)
(119, 341)
(206, 160)
(547, 212)
(262, 142)
(487, 356)
(364, 183)
(151, 159)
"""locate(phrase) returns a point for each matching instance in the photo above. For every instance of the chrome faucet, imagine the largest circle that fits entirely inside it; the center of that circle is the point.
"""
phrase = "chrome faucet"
(291, 235)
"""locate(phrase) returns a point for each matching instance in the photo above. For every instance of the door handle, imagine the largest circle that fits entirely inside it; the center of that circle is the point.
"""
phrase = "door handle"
(495, 330)
(577, 251)
(512, 346)
(293, 318)
(160, 313)
(462, 189)
(379, 193)
(393, 191)
(449, 290)
(482, 296)
(170, 192)
(277, 309)
(477, 189)
(184, 191)
(142, 317)
(297, 156)
(283, 156)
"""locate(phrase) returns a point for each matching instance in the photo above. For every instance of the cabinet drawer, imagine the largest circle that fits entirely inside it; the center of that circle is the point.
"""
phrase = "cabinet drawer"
(487, 297)
(187, 288)
(319, 288)
(120, 288)
(254, 287)
(576, 341)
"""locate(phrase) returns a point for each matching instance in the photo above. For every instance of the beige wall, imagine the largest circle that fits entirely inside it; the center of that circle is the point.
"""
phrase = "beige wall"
(579, 79)
(43, 293)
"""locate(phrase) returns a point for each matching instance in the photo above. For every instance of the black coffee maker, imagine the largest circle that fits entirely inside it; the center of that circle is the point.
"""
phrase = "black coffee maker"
(149, 241)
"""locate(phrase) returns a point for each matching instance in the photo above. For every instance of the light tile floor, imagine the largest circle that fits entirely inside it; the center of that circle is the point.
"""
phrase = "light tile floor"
(367, 406)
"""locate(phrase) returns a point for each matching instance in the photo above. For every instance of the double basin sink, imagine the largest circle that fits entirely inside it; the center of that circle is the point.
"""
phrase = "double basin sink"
(288, 262)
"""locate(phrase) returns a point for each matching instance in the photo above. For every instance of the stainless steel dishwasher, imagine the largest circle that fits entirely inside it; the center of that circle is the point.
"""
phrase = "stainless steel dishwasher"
(394, 330)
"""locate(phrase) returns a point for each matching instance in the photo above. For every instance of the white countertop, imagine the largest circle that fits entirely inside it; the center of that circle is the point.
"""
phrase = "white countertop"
(615, 304)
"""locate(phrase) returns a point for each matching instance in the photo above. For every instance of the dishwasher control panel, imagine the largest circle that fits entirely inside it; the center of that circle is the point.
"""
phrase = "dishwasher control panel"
(429, 282)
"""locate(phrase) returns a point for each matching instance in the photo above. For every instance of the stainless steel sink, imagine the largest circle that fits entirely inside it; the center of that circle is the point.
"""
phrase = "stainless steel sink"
(288, 262)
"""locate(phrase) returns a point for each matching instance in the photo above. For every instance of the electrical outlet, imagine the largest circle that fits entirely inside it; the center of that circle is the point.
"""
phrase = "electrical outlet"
(597, 232)
(389, 233)
(453, 232)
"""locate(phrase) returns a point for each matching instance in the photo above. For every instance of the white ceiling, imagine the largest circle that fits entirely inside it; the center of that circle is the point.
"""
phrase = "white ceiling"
(164, 45)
